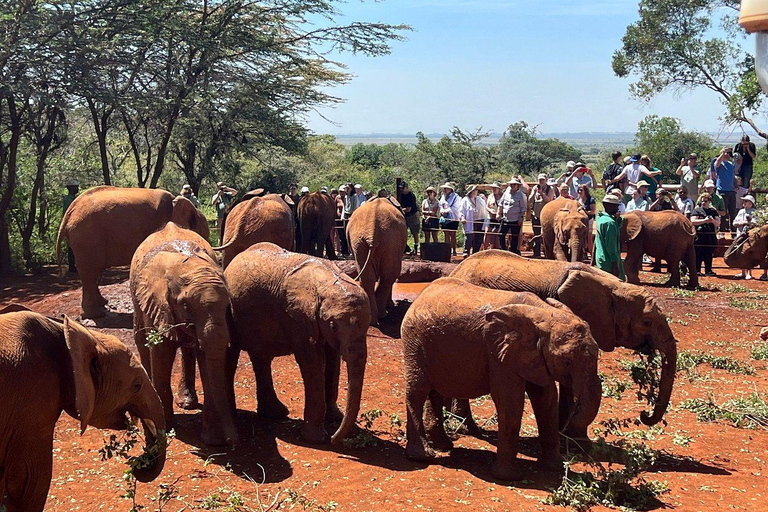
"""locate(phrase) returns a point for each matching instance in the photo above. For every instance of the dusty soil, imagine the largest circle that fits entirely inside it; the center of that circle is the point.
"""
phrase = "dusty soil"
(706, 465)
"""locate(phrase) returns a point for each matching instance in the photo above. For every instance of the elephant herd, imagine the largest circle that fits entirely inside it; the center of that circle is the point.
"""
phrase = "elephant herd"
(501, 324)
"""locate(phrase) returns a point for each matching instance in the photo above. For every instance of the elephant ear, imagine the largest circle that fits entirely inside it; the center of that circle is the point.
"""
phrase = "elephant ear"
(287, 199)
(559, 305)
(13, 308)
(591, 297)
(303, 306)
(513, 335)
(155, 297)
(558, 228)
(633, 224)
(82, 352)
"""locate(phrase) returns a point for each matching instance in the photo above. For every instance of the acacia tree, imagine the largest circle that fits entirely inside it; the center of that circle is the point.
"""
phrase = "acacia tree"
(519, 149)
(682, 45)
(665, 142)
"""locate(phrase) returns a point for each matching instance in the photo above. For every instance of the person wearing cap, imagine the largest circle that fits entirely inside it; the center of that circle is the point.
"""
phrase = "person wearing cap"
(743, 223)
(222, 200)
(684, 204)
(632, 173)
(491, 240)
(304, 191)
(449, 214)
(689, 172)
(638, 201)
(430, 210)
(620, 195)
(73, 188)
(360, 196)
(607, 253)
(472, 215)
(611, 171)
(724, 172)
(186, 192)
(706, 221)
(513, 207)
(581, 175)
(411, 210)
(541, 194)
(564, 191)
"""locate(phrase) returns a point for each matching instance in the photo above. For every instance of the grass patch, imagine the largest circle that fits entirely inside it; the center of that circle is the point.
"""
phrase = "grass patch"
(750, 412)
(734, 288)
(682, 293)
(687, 360)
(746, 303)
(613, 387)
(760, 352)
(608, 486)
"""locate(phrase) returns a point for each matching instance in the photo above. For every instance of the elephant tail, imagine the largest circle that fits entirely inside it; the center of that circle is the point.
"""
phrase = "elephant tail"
(365, 265)
(222, 247)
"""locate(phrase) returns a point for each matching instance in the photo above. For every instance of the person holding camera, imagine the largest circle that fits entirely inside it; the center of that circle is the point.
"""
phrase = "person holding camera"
(222, 200)
(706, 221)
(663, 202)
(689, 173)
(747, 151)
(724, 174)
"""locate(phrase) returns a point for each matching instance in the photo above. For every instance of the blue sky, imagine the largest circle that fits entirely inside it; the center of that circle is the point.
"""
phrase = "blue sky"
(490, 63)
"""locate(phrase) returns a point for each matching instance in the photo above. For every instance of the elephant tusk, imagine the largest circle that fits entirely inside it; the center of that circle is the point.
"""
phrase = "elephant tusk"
(151, 426)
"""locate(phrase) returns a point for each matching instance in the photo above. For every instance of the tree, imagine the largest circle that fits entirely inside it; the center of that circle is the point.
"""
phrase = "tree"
(674, 47)
(521, 151)
(665, 143)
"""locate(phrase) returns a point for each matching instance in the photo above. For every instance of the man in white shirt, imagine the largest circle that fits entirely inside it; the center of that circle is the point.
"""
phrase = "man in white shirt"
(513, 205)
(684, 203)
(632, 173)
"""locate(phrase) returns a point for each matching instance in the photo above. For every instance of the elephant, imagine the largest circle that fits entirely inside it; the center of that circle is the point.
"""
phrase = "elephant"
(377, 234)
(564, 229)
(749, 249)
(48, 366)
(618, 314)
(667, 235)
(179, 291)
(317, 217)
(256, 218)
(104, 226)
(286, 303)
(465, 341)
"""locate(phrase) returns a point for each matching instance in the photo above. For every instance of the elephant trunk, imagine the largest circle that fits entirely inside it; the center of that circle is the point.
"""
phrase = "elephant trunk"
(150, 411)
(588, 394)
(218, 421)
(356, 358)
(574, 245)
(734, 257)
(668, 351)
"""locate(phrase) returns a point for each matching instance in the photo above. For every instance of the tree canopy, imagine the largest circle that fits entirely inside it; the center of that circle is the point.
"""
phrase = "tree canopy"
(681, 45)
(665, 142)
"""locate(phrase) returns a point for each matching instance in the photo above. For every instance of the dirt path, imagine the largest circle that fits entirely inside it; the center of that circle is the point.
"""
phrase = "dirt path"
(705, 465)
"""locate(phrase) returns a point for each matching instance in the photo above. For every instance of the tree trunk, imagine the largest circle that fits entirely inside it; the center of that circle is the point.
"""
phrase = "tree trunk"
(100, 125)
(28, 229)
(10, 158)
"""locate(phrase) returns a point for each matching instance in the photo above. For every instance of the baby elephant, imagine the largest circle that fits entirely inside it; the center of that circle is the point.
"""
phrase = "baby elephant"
(287, 303)
(464, 341)
(49, 366)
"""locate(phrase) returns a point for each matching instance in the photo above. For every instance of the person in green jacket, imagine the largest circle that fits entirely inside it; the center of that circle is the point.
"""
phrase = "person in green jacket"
(607, 243)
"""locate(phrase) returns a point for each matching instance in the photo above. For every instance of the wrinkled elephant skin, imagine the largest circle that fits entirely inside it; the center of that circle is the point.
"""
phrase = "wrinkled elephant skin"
(564, 229)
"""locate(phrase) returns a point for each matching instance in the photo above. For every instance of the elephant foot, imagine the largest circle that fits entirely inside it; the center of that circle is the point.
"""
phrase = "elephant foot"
(551, 463)
(576, 440)
(333, 414)
(93, 312)
(383, 315)
(187, 400)
(314, 434)
(506, 471)
(439, 440)
(419, 451)
(102, 301)
(211, 439)
(272, 410)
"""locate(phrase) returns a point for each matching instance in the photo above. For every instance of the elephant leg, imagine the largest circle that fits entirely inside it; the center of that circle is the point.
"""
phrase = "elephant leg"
(544, 403)
(267, 403)
(332, 369)
(28, 471)
(186, 396)
(460, 407)
(368, 281)
(690, 262)
(508, 394)
(233, 356)
(383, 295)
(163, 356)
(92, 304)
(632, 263)
(434, 426)
(330, 251)
(312, 366)
(416, 393)
(674, 271)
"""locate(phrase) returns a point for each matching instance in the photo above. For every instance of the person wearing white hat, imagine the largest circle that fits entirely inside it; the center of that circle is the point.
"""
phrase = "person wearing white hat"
(222, 200)
(472, 215)
(187, 193)
(716, 201)
(449, 213)
(359, 196)
(73, 187)
(743, 223)
(607, 237)
(541, 194)
(491, 240)
(513, 207)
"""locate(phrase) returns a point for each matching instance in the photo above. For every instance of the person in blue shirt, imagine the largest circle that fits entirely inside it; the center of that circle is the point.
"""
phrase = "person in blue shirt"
(724, 172)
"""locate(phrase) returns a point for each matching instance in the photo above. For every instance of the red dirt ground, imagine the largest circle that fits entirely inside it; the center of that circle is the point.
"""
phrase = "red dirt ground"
(712, 465)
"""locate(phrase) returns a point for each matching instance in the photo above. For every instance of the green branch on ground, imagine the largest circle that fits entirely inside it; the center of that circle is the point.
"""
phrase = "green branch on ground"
(750, 412)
